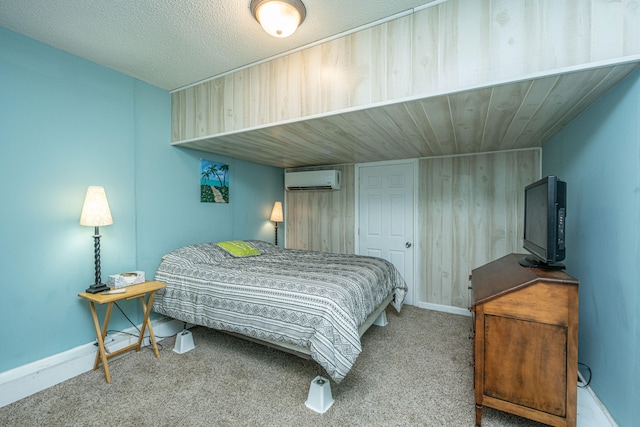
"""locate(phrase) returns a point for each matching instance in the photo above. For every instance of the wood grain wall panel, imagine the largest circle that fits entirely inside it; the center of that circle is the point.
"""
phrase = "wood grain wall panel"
(500, 204)
(322, 220)
(606, 43)
(393, 136)
(214, 92)
(449, 17)
(402, 120)
(510, 42)
(472, 45)
(425, 131)
(360, 76)
(438, 112)
(573, 21)
(178, 116)
(598, 89)
(190, 114)
(378, 65)
(479, 221)
(461, 211)
(197, 103)
(552, 108)
(631, 42)
(470, 212)
(294, 92)
(508, 116)
(399, 58)
(466, 108)
(310, 76)
(503, 108)
(276, 90)
(335, 75)
(285, 102)
(551, 111)
(434, 210)
(319, 133)
(259, 94)
(446, 48)
(241, 111)
(232, 114)
(425, 51)
(536, 93)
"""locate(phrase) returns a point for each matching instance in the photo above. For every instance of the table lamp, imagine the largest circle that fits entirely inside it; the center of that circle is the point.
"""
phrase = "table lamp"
(96, 213)
(276, 217)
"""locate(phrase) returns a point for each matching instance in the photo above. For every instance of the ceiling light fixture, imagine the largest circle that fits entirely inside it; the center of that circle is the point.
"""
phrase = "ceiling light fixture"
(279, 18)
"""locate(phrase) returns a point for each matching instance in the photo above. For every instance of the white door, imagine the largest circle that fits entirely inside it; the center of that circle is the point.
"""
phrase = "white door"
(386, 216)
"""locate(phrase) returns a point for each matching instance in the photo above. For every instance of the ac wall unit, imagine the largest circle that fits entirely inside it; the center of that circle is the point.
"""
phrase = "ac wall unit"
(312, 180)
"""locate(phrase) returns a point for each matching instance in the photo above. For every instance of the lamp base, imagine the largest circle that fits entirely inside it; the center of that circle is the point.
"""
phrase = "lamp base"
(96, 288)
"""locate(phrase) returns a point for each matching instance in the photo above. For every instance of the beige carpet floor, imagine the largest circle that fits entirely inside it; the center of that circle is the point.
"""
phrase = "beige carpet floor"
(416, 371)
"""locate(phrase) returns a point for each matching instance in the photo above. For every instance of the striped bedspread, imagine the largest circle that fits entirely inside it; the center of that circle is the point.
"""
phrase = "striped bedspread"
(311, 299)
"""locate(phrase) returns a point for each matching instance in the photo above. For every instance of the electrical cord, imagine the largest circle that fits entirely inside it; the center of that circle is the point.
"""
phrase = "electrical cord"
(587, 380)
(126, 317)
(159, 345)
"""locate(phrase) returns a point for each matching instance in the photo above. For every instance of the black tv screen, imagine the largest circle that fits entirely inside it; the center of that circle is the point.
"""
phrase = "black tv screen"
(545, 210)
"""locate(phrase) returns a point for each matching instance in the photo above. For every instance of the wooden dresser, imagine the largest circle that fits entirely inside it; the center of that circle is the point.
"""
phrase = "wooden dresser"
(525, 341)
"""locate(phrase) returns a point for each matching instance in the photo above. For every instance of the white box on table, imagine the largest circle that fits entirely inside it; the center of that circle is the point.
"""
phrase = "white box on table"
(126, 279)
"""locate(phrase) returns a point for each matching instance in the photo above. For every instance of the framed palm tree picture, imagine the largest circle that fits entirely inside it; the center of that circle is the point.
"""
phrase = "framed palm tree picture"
(214, 182)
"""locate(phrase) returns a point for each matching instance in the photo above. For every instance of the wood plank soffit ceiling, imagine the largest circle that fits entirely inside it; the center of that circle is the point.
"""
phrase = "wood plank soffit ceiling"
(457, 78)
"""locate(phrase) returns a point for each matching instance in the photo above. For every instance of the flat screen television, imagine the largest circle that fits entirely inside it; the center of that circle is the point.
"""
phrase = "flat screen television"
(545, 211)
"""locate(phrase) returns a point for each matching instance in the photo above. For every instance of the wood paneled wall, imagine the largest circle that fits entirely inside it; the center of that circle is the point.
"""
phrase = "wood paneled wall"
(322, 220)
(470, 212)
(449, 47)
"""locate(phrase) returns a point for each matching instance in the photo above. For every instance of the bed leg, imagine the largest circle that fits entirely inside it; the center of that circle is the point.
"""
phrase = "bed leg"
(381, 320)
(184, 341)
(319, 399)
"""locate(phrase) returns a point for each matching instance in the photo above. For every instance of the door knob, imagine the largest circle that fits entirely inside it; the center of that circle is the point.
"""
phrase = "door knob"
(407, 245)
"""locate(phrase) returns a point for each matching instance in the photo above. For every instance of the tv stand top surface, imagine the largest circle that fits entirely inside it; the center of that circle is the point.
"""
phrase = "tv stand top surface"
(532, 262)
(499, 277)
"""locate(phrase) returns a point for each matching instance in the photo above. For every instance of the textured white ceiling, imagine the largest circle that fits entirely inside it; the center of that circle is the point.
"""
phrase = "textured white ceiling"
(174, 43)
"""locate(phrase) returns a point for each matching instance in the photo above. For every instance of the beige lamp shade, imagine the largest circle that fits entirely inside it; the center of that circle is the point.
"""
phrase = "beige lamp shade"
(95, 211)
(276, 212)
(279, 18)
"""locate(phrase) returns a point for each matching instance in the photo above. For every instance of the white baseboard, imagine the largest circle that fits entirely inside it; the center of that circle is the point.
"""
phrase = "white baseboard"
(445, 308)
(23, 381)
(591, 410)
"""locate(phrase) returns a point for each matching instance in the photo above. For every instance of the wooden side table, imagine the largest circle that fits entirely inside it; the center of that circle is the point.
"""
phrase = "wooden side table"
(134, 291)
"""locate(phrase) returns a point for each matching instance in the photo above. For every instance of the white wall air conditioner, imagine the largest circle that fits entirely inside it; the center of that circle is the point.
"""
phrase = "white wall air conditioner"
(312, 180)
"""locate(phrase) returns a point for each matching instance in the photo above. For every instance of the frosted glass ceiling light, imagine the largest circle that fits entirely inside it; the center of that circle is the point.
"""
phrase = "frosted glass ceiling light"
(279, 18)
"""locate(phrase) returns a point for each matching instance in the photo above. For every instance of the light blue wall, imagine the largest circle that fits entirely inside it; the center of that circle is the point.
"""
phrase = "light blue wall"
(598, 155)
(65, 124)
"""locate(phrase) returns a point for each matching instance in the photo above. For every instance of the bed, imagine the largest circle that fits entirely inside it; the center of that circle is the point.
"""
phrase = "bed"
(312, 303)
